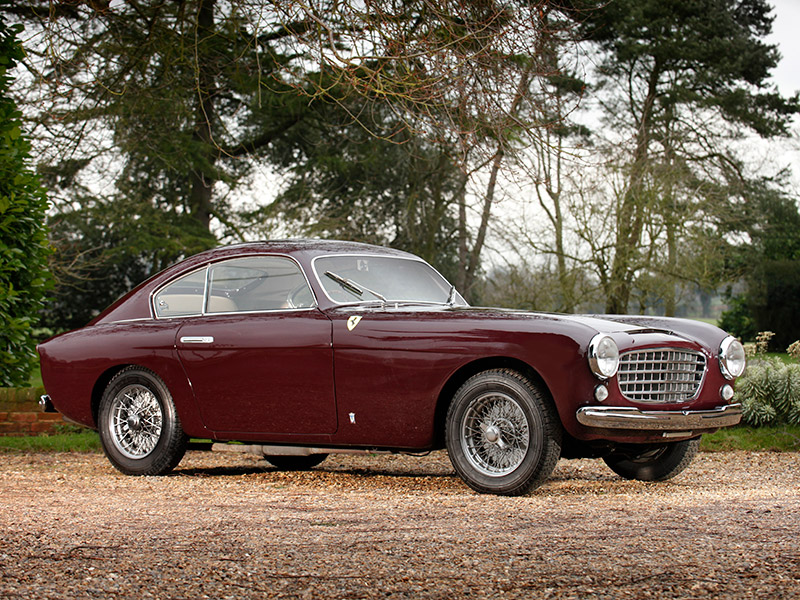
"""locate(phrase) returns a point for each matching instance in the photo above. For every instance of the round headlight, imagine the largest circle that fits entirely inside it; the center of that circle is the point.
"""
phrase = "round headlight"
(732, 360)
(603, 356)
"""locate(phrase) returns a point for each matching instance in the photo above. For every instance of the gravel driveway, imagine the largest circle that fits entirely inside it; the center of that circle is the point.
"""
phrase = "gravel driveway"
(227, 526)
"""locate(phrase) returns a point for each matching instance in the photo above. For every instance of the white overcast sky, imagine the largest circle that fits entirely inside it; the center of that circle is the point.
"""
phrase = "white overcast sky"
(786, 34)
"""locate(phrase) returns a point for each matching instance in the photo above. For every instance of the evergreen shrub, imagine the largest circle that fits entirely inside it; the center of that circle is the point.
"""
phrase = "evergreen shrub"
(770, 389)
(23, 242)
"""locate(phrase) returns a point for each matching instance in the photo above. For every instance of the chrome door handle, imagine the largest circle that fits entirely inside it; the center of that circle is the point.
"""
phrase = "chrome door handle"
(197, 339)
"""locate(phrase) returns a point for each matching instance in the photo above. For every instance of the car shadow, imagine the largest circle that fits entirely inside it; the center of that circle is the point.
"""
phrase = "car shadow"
(320, 470)
(231, 464)
(397, 472)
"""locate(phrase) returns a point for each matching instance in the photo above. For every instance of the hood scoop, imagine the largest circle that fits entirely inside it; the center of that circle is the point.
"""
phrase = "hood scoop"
(652, 330)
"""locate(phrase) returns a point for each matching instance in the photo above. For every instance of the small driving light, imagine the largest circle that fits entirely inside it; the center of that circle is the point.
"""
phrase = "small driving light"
(601, 393)
(732, 359)
(726, 392)
(603, 356)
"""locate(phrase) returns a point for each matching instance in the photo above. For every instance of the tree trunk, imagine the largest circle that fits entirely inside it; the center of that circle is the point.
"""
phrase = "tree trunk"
(567, 295)
(670, 297)
(203, 175)
(461, 278)
(474, 257)
(630, 217)
(469, 261)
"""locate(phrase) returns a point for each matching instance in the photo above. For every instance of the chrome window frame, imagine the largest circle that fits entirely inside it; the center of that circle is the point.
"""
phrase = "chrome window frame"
(207, 268)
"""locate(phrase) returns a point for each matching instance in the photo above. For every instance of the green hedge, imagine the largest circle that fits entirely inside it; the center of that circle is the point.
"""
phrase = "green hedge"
(23, 243)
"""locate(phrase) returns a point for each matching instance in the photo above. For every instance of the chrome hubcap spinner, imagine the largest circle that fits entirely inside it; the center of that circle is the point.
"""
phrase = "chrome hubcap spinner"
(136, 421)
(495, 435)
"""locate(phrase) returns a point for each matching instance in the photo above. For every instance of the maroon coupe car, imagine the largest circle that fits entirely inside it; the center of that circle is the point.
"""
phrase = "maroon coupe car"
(310, 347)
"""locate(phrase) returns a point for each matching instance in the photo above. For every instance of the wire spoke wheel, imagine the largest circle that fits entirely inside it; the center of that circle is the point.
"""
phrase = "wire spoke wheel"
(139, 427)
(495, 434)
(503, 435)
(136, 421)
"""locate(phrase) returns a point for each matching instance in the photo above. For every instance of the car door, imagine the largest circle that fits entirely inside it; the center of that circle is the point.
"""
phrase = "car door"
(259, 355)
(391, 364)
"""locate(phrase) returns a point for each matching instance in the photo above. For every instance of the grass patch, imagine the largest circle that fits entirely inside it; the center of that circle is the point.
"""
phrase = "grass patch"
(782, 356)
(783, 438)
(83, 440)
(714, 322)
(780, 438)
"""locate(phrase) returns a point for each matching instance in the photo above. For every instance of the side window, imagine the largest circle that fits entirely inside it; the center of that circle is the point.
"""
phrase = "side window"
(182, 297)
(257, 283)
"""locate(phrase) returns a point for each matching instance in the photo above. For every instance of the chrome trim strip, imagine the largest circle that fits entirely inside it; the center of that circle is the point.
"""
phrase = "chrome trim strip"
(136, 320)
(207, 266)
(268, 311)
(620, 417)
(289, 450)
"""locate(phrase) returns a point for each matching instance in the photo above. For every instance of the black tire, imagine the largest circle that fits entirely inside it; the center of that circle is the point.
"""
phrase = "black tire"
(656, 463)
(503, 434)
(295, 463)
(139, 427)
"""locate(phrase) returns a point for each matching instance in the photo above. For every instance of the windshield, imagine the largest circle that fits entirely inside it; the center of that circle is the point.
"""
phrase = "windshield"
(348, 279)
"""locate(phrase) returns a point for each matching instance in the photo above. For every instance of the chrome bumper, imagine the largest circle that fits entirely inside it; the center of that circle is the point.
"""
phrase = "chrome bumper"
(616, 417)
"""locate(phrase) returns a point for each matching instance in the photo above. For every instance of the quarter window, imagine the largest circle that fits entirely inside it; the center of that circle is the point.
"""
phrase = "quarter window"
(183, 297)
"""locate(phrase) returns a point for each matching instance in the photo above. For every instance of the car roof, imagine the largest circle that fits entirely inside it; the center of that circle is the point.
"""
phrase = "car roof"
(308, 248)
(133, 304)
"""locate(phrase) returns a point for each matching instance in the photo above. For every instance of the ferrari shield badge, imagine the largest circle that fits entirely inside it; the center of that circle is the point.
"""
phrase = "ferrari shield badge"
(352, 322)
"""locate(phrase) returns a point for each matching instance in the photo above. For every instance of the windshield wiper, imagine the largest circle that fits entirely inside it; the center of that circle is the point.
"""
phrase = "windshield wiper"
(354, 288)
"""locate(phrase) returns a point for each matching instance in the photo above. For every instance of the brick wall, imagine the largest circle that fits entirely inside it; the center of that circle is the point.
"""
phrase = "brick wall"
(20, 413)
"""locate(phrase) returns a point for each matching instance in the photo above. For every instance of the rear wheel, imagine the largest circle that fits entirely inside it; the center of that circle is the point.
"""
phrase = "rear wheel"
(656, 463)
(503, 434)
(139, 427)
(295, 463)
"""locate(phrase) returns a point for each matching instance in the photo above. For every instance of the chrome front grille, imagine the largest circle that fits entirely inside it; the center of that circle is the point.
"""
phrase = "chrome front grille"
(661, 375)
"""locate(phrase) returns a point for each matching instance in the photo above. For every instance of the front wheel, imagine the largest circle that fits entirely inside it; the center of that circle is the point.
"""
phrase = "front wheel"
(503, 434)
(139, 428)
(656, 463)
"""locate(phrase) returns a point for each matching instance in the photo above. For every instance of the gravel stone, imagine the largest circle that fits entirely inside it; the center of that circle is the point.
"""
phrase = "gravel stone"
(228, 525)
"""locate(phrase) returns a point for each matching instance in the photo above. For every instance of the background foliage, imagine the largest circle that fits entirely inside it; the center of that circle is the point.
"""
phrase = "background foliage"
(477, 135)
(23, 242)
(770, 392)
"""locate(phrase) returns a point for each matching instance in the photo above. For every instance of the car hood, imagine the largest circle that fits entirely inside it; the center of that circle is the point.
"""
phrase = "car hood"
(688, 329)
(596, 323)
(623, 327)
(608, 324)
